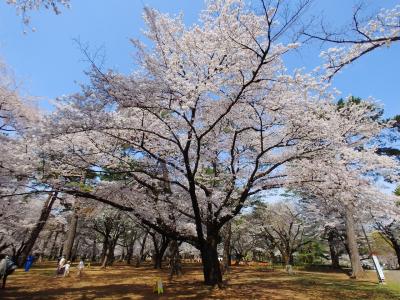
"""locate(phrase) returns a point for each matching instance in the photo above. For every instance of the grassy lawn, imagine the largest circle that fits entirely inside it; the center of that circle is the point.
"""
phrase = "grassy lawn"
(243, 282)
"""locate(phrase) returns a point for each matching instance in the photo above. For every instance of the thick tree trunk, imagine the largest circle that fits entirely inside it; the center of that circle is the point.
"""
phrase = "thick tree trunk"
(61, 250)
(110, 255)
(291, 259)
(44, 215)
(140, 256)
(238, 258)
(175, 260)
(357, 270)
(105, 259)
(129, 247)
(129, 253)
(332, 241)
(53, 249)
(16, 254)
(94, 250)
(157, 260)
(159, 251)
(104, 248)
(334, 257)
(122, 256)
(75, 251)
(69, 243)
(285, 259)
(396, 247)
(227, 247)
(156, 253)
(211, 266)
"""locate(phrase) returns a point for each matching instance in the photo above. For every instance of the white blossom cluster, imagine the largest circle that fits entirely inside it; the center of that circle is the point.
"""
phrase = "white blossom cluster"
(23, 7)
(381, 30)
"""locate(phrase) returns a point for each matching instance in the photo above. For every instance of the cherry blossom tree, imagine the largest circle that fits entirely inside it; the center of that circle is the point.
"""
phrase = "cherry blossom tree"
(209, 120)
(110, 226)
(346, 185)
(243, 238)
(40, 223)
(15, 117)
(160, 246)
(18, 218)
(18, 162)
(282, 227)
(342, 195)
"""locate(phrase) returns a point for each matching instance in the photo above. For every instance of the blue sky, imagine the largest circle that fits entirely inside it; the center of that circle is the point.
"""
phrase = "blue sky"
(48, 62)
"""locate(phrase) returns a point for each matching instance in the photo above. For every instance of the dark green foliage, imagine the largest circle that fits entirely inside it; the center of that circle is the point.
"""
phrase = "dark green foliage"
(311, 253)
(388, 151)
(80, 186)
(376, 111)
(352, 100)
(113, 175)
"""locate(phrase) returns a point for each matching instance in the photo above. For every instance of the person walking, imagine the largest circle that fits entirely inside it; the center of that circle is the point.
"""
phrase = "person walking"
(66, 268)
(7, 267)
(60, 266)
(81, 266)
(29, 262)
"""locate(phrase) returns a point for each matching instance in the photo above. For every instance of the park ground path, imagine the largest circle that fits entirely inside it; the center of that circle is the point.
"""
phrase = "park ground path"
(243, 282)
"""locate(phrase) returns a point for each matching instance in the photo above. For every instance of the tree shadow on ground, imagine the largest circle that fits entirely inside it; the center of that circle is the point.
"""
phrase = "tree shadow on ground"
(117, 291)
(124, 282)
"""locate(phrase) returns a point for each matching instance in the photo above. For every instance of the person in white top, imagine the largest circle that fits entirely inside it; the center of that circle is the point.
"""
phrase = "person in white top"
(81, 266)
(60, 266)
(66, 268)
(61, 262)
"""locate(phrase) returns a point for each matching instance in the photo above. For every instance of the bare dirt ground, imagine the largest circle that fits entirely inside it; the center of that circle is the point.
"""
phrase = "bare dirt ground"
(243, 282)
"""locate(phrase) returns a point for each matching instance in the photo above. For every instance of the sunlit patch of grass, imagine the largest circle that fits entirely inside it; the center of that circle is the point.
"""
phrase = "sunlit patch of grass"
(350, 289)
(394, 287)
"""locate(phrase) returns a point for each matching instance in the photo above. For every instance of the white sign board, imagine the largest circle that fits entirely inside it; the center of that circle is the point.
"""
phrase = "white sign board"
(378, 269)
